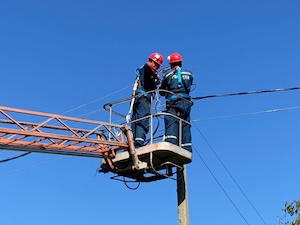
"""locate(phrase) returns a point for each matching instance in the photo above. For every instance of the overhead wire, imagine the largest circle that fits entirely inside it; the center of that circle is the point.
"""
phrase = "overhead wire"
(90, 114)
(247, 114)
(268, 111)
(239, 187)
(13, 157)
(246, 93)
(30, 167)
(220, 185)
(99, 99)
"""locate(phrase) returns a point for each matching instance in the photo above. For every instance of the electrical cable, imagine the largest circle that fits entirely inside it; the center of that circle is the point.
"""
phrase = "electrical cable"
(87, 115)
(230, 174)
(147, 142)
(193, 88)
(30, 167)
(125, 182)
(220, 185)
(246, 93)
(12, 158)
(99, 99)
(247, 114)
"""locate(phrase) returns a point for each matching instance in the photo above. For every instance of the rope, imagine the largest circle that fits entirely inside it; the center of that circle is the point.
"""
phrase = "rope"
(246, 93)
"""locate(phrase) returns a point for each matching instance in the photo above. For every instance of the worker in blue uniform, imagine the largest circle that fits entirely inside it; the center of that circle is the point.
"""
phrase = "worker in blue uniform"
(178, 81)
(147, 79)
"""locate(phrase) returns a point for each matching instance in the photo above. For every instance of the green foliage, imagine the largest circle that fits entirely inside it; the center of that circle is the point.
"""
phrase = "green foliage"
(293, 210)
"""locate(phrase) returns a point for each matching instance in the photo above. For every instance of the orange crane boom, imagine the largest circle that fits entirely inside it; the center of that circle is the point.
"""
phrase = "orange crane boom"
(55, 135)
(30, 131)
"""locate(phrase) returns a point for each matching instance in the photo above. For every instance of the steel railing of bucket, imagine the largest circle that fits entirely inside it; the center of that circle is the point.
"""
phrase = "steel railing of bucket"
(110, 108)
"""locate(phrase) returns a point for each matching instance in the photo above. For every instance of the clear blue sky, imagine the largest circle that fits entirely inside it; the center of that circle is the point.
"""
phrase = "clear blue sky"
(57, 55)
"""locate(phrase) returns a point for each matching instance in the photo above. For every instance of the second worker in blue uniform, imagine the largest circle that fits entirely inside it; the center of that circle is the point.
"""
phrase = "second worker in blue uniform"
(178, 81)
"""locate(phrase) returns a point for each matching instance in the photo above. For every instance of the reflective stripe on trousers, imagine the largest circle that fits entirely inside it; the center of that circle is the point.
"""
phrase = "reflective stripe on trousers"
(181, 109)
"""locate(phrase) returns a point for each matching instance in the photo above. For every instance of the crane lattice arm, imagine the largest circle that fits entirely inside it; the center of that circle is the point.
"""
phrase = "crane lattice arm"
(30, 131)
(53, 134)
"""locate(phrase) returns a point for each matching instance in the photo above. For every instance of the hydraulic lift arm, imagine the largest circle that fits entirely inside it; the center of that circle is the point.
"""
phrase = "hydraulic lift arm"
(53, 134)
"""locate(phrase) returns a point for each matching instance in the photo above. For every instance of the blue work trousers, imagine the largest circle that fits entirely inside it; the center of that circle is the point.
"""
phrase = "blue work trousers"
(181, 109)
(141, 128)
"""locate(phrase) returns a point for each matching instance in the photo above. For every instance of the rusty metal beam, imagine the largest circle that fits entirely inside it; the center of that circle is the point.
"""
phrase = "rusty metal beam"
(36, 137)
(53, 151)
(48, 126)
(3, 108)
(57, 136)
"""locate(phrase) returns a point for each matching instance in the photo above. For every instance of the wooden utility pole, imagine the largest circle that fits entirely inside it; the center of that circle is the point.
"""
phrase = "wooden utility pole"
(182, 197)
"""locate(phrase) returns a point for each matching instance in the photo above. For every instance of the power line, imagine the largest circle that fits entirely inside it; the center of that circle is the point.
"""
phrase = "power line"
(247, 114)
(229, 174)
(15, 157)
(246, 93)
(220, 185)
(87, 115)
(30, 167)
(99, 99)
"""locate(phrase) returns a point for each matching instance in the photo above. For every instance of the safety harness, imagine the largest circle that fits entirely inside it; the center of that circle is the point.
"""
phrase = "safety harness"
(138, 78)
(141, 92)
(180, 82)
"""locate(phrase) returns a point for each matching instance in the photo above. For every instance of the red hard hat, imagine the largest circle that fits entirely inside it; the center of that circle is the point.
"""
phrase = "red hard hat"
(156, 57)
(175, 57)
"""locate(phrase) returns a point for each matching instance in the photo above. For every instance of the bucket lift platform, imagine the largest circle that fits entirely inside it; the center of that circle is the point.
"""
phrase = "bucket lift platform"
(153, 159)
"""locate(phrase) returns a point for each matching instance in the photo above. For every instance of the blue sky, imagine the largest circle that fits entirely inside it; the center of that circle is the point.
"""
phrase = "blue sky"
(58, 55)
